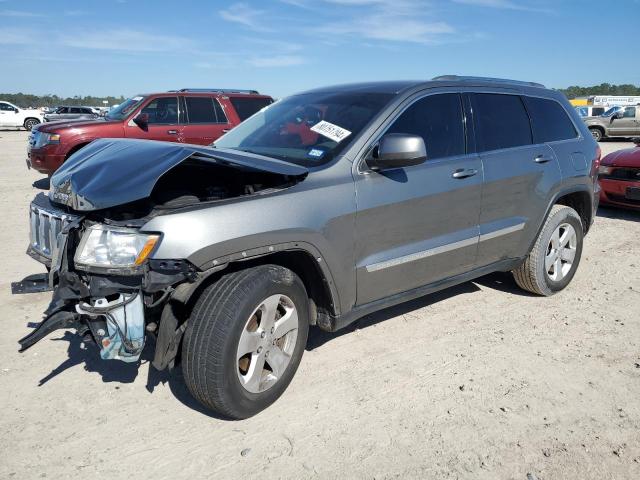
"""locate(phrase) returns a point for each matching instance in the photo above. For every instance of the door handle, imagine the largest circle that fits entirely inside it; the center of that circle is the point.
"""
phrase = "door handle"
(172, 132)
(542, 159)
(464, 172)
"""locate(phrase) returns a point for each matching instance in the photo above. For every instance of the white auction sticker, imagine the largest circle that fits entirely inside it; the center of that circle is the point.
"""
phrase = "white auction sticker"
(331, 131)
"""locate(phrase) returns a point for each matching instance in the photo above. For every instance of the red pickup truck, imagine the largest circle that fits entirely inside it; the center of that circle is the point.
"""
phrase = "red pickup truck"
(197, 116)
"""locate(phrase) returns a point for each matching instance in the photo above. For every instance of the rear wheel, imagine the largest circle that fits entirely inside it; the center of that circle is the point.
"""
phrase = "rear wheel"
(29, 123)
(596, 133)
(245, 340)
(555, 256)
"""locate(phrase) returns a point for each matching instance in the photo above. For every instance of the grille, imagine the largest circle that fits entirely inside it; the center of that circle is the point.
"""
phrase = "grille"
(46, 223)
(624, 174)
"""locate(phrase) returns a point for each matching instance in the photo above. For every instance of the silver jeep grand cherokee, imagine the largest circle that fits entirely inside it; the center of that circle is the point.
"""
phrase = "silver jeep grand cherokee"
(319, 209)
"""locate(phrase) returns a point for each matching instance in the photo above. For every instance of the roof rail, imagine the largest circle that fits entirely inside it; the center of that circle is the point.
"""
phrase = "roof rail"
(448, 78)
(216, 90)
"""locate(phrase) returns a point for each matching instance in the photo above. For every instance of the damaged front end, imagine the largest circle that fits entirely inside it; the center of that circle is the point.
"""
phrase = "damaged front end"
(104, 285)
(89, 233)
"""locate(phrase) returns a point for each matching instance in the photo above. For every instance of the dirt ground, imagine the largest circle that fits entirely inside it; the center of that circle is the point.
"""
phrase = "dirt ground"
(481, 381)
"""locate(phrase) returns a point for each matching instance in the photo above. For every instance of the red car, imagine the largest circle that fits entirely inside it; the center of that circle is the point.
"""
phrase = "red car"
(619, 178)
(197, 116)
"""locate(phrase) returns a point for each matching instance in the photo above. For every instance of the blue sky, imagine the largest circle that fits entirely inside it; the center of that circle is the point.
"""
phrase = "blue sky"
(279, 47)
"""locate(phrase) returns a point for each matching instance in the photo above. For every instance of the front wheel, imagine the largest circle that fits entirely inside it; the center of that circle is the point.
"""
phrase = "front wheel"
(245, 339)
(555, 256)
(29, 123)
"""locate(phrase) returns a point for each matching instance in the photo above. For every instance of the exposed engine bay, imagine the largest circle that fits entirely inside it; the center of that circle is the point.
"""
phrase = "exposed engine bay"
(105, 283)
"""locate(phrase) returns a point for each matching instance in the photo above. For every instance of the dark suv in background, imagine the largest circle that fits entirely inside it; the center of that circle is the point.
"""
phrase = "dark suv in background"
(320, 209)
(197, 116)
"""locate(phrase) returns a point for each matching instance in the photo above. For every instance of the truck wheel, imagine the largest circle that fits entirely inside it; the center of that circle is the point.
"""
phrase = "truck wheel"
(29, 123)
(555, 256)
(245, 339)
(596, 133)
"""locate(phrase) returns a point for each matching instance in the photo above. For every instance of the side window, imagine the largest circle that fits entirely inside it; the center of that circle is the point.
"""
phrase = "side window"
(438, 120)
(162, 111)
(76, 110)
(629, 112)
(5, 107)
(63, 110)
(501, 121)
(247, 106)
(597, 111)
(549, 121)
(200, 110)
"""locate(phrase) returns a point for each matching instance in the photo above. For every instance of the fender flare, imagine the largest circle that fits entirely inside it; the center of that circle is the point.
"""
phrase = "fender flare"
(561, 193)
(220, 263)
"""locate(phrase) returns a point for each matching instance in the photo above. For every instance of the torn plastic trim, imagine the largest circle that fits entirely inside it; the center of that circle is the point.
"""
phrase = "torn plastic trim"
(111, 172)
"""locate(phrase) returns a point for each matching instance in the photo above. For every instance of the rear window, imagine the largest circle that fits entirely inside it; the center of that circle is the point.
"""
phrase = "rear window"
(549, 121)
(501, 121)
(245, 107)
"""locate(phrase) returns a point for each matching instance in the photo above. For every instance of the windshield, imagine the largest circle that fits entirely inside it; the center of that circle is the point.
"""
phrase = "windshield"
(123, 110)
(308, 129)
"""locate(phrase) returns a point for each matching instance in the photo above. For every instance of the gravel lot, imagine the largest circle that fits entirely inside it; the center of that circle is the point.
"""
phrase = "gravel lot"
(478, 381)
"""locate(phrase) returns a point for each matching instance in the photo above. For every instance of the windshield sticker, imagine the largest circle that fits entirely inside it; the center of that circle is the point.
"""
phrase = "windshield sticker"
(331, 131)
(315, 153)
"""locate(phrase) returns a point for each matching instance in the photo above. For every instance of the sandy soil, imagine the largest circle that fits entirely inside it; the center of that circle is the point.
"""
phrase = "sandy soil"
(480, 381)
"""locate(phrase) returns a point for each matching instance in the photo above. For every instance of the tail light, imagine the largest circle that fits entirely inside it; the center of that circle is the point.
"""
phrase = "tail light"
(595, 167)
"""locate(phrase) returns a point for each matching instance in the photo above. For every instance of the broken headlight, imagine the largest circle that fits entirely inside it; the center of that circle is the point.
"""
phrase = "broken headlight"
(116, 250)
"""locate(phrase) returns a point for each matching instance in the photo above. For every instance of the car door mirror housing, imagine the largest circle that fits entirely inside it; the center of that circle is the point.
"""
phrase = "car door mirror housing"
(397, 150)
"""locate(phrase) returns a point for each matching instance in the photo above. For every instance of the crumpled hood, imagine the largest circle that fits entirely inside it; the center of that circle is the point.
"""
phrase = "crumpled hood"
(110, 172)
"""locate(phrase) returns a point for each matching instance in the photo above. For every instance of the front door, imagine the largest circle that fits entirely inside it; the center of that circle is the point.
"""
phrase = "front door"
(7, 115)
(419, 224)
(627, 125)
(162, 121)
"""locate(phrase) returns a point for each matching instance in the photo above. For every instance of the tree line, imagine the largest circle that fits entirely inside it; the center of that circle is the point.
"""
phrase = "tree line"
(602, 89)
(27, 100)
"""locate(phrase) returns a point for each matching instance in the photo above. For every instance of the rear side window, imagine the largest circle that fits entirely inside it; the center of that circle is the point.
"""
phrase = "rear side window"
(549, 121)
(501, 121)
(245, 107)
(438, 120)
(200, 110)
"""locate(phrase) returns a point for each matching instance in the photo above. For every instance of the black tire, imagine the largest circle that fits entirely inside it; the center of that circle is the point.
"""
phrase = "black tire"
(209, 362)
(532, 275)
(596, 133)
(29, 123)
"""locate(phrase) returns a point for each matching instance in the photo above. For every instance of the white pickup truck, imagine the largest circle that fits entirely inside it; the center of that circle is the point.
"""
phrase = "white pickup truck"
(12, 116)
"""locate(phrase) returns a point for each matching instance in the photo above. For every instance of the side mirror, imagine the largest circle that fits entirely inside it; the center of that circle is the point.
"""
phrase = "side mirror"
(397, 150)
(618, 115)
(142, 120)
(16, 110)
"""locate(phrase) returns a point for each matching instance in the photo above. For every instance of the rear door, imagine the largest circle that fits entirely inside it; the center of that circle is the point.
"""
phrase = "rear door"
(419, 224)
(205, 121)
(518, 176)
(163, 121)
